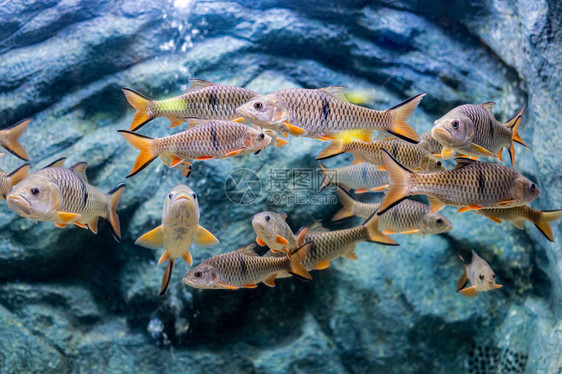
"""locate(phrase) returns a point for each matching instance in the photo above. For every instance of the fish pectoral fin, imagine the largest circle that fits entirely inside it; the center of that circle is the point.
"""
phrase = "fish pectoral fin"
(475, 207)
(381, 167)
(435, 205)
(67, 217)
(259, 241)
(270, 281)
(239, 119)
(250, 285)
(497, 286)
(165, 257)
(175, 161)
(235, 152)
(495, 219)
(463, 280)
(284, 134)
(60, 225)
(506, 202)
(202, 158)
(187, 258)
(361, 190)
(227, 286)
(520, 224)
(469, 292)
(167, 276)
(322, 265)
(463, 209)
(281, 240)
(280, 143)
(388, 232)
(351, 255)
(174, 122)
(408, 232)
(81, 225)
(446, 153)
(204, 238)
(153, 239)
(480, 149)
(294, 130)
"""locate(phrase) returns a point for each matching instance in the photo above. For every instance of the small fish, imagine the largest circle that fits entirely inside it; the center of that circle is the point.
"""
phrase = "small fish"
(272, 230)
(64, 196)
(202, 100)
(322, 113)
(470, 185)
(430, 144)
(7, 181)
(473, 131)
(517, 215)
(481, 277)
(9, 138)
(180, 227)
(244, 268)
(363, 177)
(208, 140)
(411, 155)
(407, 217)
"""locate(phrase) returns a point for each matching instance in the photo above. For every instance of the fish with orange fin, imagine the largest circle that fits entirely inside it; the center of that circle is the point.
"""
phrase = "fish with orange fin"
(470, 185)
(208, 140)
(407, 217)
(244, 268)
(323, 113)
(180, 227)
(430, 144)
(410, 155)
(519, 214)
(202, 100)
(473, 131)
(273, 230)
(64, 196)
(9, 180)
(9, 138)
(480, 275)
(363, 177)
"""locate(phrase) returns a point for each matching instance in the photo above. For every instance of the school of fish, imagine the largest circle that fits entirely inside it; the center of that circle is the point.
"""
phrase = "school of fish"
(224, 121)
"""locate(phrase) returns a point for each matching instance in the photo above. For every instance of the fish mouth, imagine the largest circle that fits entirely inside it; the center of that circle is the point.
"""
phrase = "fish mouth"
(19, 204)
(243, 112)
(439, 131)
(448, 228)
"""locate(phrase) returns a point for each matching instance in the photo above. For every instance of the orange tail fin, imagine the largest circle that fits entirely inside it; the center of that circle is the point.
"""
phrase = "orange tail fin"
(513, 124)
(112, 218)
(347, 201)
(399, 115)
(18, 175)
(373, 233)
(140, 103)
(144, 145)
(543, 220)
(14, 132)
(332, 150)
(296, 267)
(398, 176)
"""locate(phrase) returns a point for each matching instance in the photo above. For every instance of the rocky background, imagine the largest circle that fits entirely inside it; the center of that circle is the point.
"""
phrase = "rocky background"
(73, 302)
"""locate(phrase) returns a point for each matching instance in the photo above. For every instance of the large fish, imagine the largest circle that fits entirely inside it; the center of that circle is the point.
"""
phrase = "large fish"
(472, 130)
(518, 215)
(202, 100)
(482, 278)
(407, 217)
(208, 140)
(244, 268)
(470, 185)
(9, 138)
(272, 230)
(7, 181)
(363, 177)
(180, 227)
(410, 155)
(322, 113)
(430, 144)
(64, 196)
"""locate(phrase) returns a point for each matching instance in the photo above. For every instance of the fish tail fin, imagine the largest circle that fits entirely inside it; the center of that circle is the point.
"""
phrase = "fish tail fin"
(399, 114)
(140, 103)
(347, 201)
(112, 218)
(332, 150)
(325, 178)
(542, 222)
(144, 145)
(373, 233)
(18, 175)
(14, 132)
(167, 276)
(296, 267)
(513, 124)
(398, 175)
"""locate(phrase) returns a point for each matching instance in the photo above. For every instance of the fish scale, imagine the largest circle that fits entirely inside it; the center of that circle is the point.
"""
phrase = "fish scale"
(327, 246)
(357, 176)
(5, 183)
(488, 132)
(405, 216)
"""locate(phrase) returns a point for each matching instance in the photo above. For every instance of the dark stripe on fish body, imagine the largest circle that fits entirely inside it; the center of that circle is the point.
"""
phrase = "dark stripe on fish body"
(213, 101)
(325, 110)
(214, 138)
(364, 173)
(481, 181)
(491, 127)
(243, 268)
(395, 149)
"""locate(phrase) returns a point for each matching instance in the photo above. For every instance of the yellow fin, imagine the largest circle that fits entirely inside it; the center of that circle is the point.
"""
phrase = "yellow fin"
(388, 232)
(270, 280)
(446, 153)
(463, 209)
(351, 255)
(294, 130)
(408, 232)
(227, 286)
(18, 175)
(144, 145)
(81, 225)
(434, 204)
(463, 280)
(140, 103)
(153, 239)
(322, 265)
(400, 114)
(260, 242)
(112, 217)
(356, 134)
(469, 292)
(280, 142)
(480, 149)
(506, 202)
(398, 175)
(332, 150)
(250, 285)
(347, 203)
(174, 122)
(67, 217)
(495, 219)
(204, 238)
(281, 240)
(60, 225)
(165, 257)
(235, 152)
(301, 236)
(174, 161)
(542, 222)
(13, 133)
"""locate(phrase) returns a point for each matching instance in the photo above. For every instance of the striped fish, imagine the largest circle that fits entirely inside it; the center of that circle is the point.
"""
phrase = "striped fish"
(7, 181)
(363, 177)
(272, 230)
(470, 185)
(407, 217)
(202, 100)
(207, 140)
(64, 196)
(9, 138)
(244, 268)
(322, 113)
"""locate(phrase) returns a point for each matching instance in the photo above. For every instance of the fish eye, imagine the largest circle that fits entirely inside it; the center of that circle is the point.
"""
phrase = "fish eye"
(493, 276)
(194, 196)
(258, 105)
(170, 195)
(35, 191)
(455, 124)
(439, 164)
(267, 218)
(198, 274)
(439, 220)
(481, 277)
(533, 187)
(261, 136)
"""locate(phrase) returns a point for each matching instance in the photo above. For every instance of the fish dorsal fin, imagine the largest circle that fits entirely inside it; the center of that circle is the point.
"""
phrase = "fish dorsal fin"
(248, 250)
(336, 91)
(488, 105)
(57, 163)
(197, 84)
(462, 162)
(283, 215)
(80, 169)
(316, 226)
